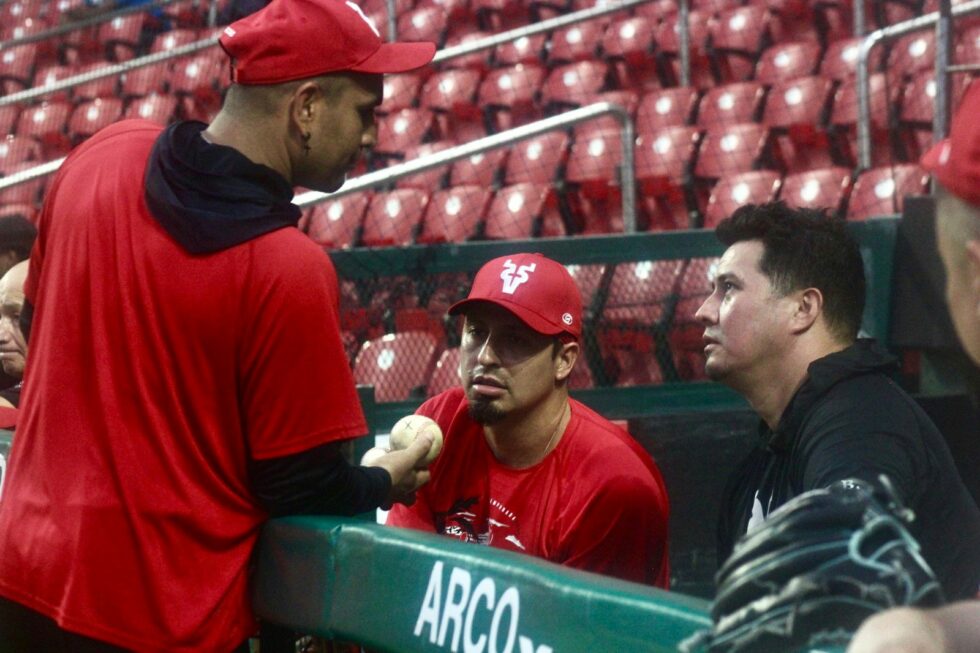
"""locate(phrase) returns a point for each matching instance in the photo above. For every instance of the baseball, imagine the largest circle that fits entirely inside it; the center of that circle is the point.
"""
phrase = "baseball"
(371, 455)
(405, 430)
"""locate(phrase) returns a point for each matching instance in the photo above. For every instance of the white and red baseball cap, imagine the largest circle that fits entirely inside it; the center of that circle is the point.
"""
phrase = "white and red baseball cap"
(955, 161)
(296, 39)
(539, 291)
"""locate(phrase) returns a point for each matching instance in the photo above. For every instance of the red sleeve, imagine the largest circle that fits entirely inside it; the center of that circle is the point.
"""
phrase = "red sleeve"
(297, 386)
(622, 532)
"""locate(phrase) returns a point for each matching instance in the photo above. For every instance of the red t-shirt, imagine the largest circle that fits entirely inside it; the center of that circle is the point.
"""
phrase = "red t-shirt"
(154, 375)
(597, 502)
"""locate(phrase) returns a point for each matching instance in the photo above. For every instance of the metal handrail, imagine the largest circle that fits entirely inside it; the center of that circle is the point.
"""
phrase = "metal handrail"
(548, 25)
(503, 139)
(108, 71)
(415, 166)
(65, 28)
(864, 78)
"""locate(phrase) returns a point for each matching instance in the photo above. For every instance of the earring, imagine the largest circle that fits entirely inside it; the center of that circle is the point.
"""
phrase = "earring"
(306, 143)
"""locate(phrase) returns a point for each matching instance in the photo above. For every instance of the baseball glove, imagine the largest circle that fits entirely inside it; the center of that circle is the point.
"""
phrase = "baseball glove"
(815, 569)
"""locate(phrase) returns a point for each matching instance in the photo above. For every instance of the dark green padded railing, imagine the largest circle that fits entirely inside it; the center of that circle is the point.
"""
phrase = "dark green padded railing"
(403, 591)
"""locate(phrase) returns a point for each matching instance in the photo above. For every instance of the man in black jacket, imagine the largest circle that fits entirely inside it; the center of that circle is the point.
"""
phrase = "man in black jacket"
(781, 328)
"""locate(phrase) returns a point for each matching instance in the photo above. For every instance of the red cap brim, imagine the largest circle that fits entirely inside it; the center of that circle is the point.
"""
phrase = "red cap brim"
(534, 321)
(397, 57)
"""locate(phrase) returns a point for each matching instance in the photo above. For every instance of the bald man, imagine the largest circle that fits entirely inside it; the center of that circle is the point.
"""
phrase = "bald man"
(187, 378)
(955, 164)
(13, 346)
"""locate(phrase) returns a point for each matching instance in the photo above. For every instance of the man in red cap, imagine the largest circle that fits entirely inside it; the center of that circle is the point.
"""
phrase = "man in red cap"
(955, 166)
(524, 467)
(189, 380)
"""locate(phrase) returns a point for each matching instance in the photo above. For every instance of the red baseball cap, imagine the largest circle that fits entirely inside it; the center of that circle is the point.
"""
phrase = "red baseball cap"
(296, 39)
(955, 162)
(539, 291)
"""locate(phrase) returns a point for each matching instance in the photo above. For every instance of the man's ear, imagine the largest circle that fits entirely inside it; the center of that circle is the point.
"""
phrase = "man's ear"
(303, 105)
(565, 360)
(807, 308)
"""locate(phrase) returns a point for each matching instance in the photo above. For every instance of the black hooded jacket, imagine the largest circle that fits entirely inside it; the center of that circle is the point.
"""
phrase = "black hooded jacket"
(850, 420)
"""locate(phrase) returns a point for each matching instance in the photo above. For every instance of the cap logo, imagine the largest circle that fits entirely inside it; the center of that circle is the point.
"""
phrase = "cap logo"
(364, 17)
(567, 319)
(514, 276)
(230, 31)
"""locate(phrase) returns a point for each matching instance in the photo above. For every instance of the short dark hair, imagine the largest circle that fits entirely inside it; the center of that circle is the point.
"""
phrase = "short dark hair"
(17, 233)
(805, 248)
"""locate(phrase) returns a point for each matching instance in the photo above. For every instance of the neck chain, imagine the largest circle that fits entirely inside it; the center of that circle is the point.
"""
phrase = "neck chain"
(561, 418)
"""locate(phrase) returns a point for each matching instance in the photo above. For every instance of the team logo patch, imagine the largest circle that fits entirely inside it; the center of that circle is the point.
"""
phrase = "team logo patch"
(514, 276)
(567, 319)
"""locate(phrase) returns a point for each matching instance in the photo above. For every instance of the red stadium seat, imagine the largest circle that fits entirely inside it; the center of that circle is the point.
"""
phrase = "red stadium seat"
(400, 92)
(19, 10)
(28, 193)
(658, 10)
(198, 81)
(526, 49)
(9, 113)
(451, 94)
(455, 214)
(424, 24)
(537, 159)
(396, 364)
(785, 61)
(733, 191)
(825, 188)
(509, 94)
(15, 150)
(393, 217)
(17, 67)
(445, 376)
(732, 103)
(166, 41)
(90, 117)
(121, 36)
(523, 211)
(640, 290)
(593, 176)
(667, 107)
(154, 107)
(910, 54)
(481, 169)
(430, 179)
(588, 278)
(476, 60)
(573, 85)
(102, 87)
(628, 45)
(28, 211)
(685, 336)
(918, 106)
(636, 306)
(728, 149)
(841, 58)
(844, 116)
(881, 191)
(47, 124)
(146, 80)
(336, 223)
(796, 109)
(576, 42)
(49, 75)
(737, 40)
(401, 130)
(668, 44)
(664, 159)
(500, 15)
(967, 48)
